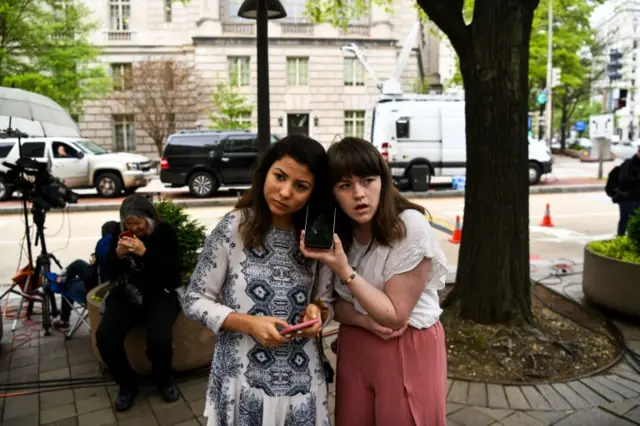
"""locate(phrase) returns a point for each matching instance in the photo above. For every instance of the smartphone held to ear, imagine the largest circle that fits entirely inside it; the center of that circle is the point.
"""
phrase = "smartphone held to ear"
(319, 227)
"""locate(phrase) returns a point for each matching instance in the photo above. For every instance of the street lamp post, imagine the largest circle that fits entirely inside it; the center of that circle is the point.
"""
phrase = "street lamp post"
(262, 11)
(550, 75)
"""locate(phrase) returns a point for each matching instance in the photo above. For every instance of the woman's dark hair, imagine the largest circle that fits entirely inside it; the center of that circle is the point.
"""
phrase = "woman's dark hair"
(357, 157)
(256, 216)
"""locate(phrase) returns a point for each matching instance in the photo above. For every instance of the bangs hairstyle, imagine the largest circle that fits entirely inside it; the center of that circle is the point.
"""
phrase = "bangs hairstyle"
(355, 157)
(256, 216)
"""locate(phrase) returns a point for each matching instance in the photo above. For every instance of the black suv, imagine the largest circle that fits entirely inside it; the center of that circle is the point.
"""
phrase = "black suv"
(209, 159)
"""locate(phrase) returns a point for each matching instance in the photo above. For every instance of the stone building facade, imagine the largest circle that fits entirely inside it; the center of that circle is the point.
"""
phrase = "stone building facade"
(315, 87)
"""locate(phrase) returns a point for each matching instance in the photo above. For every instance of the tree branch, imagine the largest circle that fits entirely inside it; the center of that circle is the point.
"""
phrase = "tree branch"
(448, 16)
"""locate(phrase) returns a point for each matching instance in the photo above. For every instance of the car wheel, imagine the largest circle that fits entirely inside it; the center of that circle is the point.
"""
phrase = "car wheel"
(203, 184)
(109, 185)
(535, 173)
(4, 191)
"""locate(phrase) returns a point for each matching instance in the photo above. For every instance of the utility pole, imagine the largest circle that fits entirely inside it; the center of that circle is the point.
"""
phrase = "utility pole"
(550, 74)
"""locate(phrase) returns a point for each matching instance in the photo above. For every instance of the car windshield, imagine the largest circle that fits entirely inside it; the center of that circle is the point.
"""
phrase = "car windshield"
(90, 147)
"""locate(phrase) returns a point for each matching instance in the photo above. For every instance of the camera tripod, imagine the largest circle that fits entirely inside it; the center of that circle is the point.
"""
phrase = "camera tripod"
(39, 276)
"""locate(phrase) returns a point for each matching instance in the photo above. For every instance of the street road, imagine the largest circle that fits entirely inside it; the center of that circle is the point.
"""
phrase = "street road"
(578, 219)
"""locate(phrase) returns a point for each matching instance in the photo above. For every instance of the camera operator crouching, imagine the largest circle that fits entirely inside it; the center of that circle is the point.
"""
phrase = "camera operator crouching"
(144, 266)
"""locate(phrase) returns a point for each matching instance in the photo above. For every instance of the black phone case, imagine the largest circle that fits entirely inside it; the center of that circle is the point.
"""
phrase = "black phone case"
(312, 244)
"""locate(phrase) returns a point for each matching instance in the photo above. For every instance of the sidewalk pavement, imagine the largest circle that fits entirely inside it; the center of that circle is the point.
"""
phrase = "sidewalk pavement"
(610, 398)
(90, 202)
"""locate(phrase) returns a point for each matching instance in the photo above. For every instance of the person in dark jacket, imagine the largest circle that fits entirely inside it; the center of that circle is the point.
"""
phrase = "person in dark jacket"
(145, 271)
(78, 278)
(628, 197)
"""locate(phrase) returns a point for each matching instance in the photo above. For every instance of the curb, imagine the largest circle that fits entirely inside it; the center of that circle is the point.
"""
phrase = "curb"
(230, 201)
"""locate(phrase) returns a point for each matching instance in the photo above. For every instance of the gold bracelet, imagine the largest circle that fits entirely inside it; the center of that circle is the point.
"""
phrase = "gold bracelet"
(351, 277)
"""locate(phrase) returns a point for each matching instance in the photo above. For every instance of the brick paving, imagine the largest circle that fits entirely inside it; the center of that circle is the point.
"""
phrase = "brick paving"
(611, 398)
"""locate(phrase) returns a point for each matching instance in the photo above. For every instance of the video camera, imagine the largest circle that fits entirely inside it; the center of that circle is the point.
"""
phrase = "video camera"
(129, 289)
(33, 180)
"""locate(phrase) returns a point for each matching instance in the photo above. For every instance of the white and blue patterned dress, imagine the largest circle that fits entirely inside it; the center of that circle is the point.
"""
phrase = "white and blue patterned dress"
(250, 384)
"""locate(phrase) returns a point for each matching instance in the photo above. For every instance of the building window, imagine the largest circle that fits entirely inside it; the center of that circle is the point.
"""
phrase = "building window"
(239, 72)
(243, 119)
(124, 128)
(234, 6)
(297, 71)
(168, 11)
(295, 11)
(120, 12)
(354, 124)
(121, 74)
(353, 72)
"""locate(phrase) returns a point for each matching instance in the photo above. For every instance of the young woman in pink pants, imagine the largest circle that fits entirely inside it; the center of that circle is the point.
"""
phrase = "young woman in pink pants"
(388, 267)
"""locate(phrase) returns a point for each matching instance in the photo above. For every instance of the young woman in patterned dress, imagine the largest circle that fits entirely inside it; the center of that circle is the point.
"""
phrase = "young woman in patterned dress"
(251, 281)
(392, 367)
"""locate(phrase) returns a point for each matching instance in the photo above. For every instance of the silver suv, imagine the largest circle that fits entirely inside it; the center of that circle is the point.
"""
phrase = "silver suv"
(81, 163)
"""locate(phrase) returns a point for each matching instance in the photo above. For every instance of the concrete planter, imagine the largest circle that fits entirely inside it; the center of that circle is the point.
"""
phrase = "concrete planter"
(611, 283)
(192, 343)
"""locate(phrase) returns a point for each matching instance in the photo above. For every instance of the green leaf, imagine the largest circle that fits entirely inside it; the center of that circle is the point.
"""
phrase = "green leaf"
(46, 49)
(229, 108)
(191, 233)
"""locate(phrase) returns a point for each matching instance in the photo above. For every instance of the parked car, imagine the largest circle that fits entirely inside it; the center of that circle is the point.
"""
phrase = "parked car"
(80, 163)
(208, 160)
(624, 150)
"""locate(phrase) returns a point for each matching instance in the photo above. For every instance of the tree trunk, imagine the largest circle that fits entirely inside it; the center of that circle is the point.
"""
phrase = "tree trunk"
(493, 283)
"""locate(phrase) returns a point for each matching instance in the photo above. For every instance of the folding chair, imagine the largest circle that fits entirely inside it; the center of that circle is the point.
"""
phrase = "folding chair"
(80, 309)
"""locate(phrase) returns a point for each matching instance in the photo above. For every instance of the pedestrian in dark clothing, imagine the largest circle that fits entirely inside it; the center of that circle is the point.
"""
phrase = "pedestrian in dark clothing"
(77, 279)
(628, 195)
(144, 265)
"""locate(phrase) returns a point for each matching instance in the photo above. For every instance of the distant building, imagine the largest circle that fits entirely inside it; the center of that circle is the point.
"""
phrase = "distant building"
(315, 88)
(618, 28)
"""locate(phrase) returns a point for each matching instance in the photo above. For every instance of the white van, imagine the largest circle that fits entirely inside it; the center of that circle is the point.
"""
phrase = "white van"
(426, 130)
(429, 130)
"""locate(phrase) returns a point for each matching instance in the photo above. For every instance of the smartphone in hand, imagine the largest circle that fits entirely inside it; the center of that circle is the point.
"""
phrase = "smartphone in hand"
(126, 234)
(319, 227)
(299, 326)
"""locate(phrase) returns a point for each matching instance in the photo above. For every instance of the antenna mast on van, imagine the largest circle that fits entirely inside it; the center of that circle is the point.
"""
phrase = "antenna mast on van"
(391, 86)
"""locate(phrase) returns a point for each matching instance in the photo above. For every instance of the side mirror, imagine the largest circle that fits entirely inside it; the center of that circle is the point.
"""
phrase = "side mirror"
(79, 155)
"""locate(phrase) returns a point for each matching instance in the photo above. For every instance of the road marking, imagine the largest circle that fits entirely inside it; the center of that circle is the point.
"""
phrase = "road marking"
(6, 222)
(52, 240)
(578, 215)
(561, 235)
(553, 215)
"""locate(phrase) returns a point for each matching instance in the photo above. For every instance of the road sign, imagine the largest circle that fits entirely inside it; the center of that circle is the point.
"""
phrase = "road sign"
(601, 126)
(581, 126)
(542, 97)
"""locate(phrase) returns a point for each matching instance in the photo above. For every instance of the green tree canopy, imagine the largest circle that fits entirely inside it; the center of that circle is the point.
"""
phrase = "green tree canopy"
(45, 48)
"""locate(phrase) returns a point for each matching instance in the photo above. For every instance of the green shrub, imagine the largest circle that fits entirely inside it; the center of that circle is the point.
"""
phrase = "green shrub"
(633, 228)
(620, 248)
(191, 234)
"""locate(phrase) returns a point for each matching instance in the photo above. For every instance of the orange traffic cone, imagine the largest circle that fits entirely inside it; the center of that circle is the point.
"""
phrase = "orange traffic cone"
(546, 220)
(456, 237)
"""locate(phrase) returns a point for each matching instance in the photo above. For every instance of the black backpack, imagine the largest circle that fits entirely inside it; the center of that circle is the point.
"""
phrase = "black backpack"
(613, 183)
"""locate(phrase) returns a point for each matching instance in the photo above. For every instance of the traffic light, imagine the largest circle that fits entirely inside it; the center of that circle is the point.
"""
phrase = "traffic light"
(622, 100)
(614, 66)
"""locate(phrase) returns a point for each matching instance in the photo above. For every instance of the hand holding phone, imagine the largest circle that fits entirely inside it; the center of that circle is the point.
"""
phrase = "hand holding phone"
(128, 234)
(319, 227)
(300, 326)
